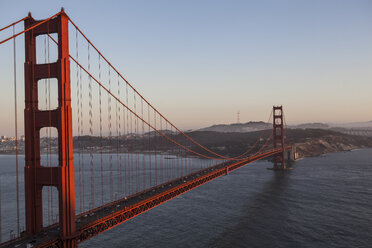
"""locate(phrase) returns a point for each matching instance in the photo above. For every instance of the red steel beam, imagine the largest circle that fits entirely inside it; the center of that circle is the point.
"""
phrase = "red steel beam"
(278, 137)
(106, 223)
(37, 175)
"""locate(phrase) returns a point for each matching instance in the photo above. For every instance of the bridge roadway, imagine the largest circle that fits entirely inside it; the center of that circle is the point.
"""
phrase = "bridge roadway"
(101, 219)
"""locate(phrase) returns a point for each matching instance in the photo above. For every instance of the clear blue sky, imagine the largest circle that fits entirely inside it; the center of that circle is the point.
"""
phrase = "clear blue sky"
(200, 62)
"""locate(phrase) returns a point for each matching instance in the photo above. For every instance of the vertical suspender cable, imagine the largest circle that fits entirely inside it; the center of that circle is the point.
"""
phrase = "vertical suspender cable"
(167, 162)
(78, 117)
(100, 125)
(174, 152)
(118, 163)
(143, 148)
(128, 145)
(155, 147)
(177, 154)
(135, 139)
(123, 154)
(183, 160)
(91, 136)
(173, 160)
(120, 143)
(81, 134)
(149, 136)
(16, 128)
(124, 150)
(110, 138)
(161, 163)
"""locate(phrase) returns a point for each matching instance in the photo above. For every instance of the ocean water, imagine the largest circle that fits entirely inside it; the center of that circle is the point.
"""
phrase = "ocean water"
(324, 202)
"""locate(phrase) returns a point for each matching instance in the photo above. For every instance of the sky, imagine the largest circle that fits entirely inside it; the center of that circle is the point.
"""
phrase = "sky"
(200, 62)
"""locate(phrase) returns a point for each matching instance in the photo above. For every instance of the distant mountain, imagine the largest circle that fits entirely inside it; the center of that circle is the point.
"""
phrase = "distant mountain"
(354, 128)
(164, 131)
(251, 126)
(366, 124)
(316, 125)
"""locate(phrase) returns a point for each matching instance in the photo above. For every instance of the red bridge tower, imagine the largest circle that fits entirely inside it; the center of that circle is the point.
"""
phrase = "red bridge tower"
(36, 175)
(278, 139)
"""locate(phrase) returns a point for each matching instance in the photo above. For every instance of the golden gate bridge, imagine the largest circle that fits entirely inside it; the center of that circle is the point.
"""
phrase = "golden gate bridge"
(130, 159)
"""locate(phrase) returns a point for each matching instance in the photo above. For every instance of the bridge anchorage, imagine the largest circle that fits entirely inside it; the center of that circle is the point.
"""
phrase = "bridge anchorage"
(158, 161)
(280, 159)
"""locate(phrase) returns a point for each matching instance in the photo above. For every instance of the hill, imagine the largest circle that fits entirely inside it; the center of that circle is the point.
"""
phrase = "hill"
(251, 126)
(308, 142)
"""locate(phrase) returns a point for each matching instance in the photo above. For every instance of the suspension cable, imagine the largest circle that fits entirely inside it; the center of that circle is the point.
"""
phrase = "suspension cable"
(135, 91)
(184, 134)
(78, 120)
(14, 23)
(91, 135)
(110, 136)
(259, 138)
(136, 115)
(30, 28)
(118, 131)
(128, 157)
(100, 126)
(267, 140)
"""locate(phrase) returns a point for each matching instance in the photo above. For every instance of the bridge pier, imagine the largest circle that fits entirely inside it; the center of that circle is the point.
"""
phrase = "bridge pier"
(279, 159)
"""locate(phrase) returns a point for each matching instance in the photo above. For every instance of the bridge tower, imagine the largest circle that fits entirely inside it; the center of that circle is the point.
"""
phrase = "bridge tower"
(278, 138)
(36, 175)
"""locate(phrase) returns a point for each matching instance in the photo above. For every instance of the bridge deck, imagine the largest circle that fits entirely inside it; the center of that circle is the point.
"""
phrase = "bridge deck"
(96, 221)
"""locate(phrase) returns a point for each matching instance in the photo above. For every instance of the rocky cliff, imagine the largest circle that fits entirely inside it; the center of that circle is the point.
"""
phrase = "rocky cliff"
(315, 142)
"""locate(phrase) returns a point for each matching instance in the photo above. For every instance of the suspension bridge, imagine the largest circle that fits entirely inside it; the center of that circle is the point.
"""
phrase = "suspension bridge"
(96, 152)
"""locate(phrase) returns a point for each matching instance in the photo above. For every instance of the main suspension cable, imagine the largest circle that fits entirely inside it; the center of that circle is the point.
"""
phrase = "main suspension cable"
(14, 23)
(30, 28)
(136, 115)
(184, 134)
(258, 140)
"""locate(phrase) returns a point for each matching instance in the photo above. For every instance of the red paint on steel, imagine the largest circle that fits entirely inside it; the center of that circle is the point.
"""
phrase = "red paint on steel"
(14, 23)
(36, 175)
(29, 27)
(278, 136)
(105, 223)
(113, 219)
